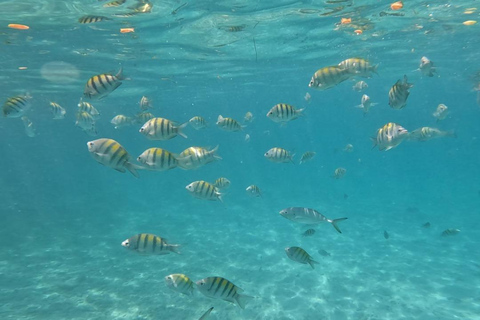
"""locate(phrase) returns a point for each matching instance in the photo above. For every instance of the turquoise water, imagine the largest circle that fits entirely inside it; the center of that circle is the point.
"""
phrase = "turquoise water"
(64, 215)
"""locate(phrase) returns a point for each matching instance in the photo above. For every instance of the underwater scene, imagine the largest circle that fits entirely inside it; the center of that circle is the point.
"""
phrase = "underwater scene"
(274, 160)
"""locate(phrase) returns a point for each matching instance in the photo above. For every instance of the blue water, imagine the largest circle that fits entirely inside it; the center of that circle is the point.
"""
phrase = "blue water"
(64, 216)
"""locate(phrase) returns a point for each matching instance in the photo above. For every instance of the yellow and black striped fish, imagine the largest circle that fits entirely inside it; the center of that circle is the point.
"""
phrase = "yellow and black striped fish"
(398, 94)
(328, 77)
(121, 120)
(307, 156)
(158, 159)
(162, 129)
(143, 6)
(283, 112)
(339, 173)
(204, 190)
(390, 136)
(196, 157)
(308, 233)
(86, 122)
(143, 117)
(58, 111)
(15, 107)
(89, 108)
(427, 133)
(99, 86)
(299, 255)
(279, 155)
(150, 244)
(180, 283)
(115, 3)
(359, 67)
(228, 124)
(198, 123)
(145, 103)
(222, 183)
(111, 154)
(92, 19)
(221, 288)
(254, 191)
(450, 232)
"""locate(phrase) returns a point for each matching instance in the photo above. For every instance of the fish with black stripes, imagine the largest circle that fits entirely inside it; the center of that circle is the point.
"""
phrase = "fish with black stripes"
(162, 129)
(86, 122)
(328, 77)
(307, 156)
(221, 288)
(101, 85)
(359, 67)
(300, 255)
(309, 216)
(89, 108)
(204, 190)
(279, 155)
(339, 173)
(110, 153)
(254, 191)
(58, 111)
(198, 122)
(389, 136)
(222, 183)
(147, 243)
(428, 133)
(398, 94)
(283, 113)
(158, 159)
(180, 283)
(16, 106)
(92, 19)
(228, 124)
(196, 157)
(114, 4)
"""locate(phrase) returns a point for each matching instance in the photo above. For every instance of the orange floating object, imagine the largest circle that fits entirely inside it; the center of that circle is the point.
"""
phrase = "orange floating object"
(346, 20)
(396, 5)
(358, 31)
(127, 30)
(18, 26)
(469, 22)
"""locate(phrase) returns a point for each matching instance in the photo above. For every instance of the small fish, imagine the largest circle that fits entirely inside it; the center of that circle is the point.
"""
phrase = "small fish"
(143, 117)
(309, 216)
(307, 156)
(58, 111)
(339, 173)
(441, 112)
(180, 283)
(247, 137)
(390, 136)
(398, 94)
(126, 14)
(86, 122)
(145, 103)
(158, 159)
(348, 148)
(89, 108)
(360, 86)
(221, 288)
(324, 253)
(204, 190)
(427, 133)
(385, 234)
(143, 6)
(254, 191)
(175, 12)
(101, 85)
(328, 77)
(196, 157)
(279, 155)
(121, 121)
(450, 232)
(29, 128)
(150, 244)
(283, 113)
(15, 107)
(308, 233)
(228, 124)
(111, 154)
(115, 3)
(426, 225)
(162, 129)
(206, 314)
(359, 67)
(307, 97)
(299, 255)
(426, 67)
(198, 123)
(222, 183)
(248, 117)
(92, 19)
(365, 104)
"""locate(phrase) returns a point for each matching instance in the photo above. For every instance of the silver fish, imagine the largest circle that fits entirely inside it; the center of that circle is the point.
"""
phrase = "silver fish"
(29, 128)
(366, 104)
(426, 67)
(309, 216)
(339, 173)
(441, 112)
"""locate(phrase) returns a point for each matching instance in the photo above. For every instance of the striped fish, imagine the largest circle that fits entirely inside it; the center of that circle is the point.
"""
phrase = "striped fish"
(254, 191)
(221, 288)
(339, 173)
(16, 106)
(228, 124)
(222, 183)
(150, 244)
(365, 104)
(158, 159)
(204, 190)
(126, 14)
(206, 314)
(390, 136)
(143, 117)
(427, 133)
(180, 283)
(299, 255)
(198, 123)
(89, 108)
(248, 117)
(307, 156)
(113, 4)
(145, 103)
(101, 85)
(283, 113)
(450, 232)
(162, 129)
(328, 77)
(92, 19)
(111, 154)
(279, 155)
(58, 111)
(86, 122)
(309, 216)
(398, 94)
(359, 67)
(143, 6)
(196, 157)
(121, 121)
(308, 233)
(29, 128)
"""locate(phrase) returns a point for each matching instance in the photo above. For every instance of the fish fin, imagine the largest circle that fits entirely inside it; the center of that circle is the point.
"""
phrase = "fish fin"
(312, 263)
(334, 223)
(220, 118)
(206, 314)
(132, 168)
(184, 163)
(120, 75)
(219, 196)
(174, 248)
(374, 68)
(180, 128)
(300, 113)
(242, 300)
(122, 170)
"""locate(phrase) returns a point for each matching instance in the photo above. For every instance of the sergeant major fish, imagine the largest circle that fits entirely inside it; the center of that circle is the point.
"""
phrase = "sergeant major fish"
(339, 173)
(426, 67)
(204, 190)
(222, 183)
(92, 19)
(283, 113)
(89, 108)
(358, 67)
(398, 94)
(121, 121)
(101, 85)
(279, 155)
(198, 123)
(147, 243)
(58, 111)
(158, 159)
(441, 112)
(309, 216)
(196, 157)
(228, 124)
(307, 156)
(145, 103)
(221, 288)
(254, 191)
(180, 283)
(427, 133)
(328, 77)
(111, 154)
(162, 129)
(299, 255)
(15, 107)
(390, 136)
(360, 86)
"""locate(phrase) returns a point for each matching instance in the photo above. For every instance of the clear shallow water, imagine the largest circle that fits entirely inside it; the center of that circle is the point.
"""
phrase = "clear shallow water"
(64, 215)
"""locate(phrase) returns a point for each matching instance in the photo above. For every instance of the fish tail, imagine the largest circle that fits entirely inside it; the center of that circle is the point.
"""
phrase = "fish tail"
(180, 128)
(133, 169)
(120, 75)
(451, 133)
(242, 300)
(374, 68)
(175, 248)
(312, 263)
(334, 223)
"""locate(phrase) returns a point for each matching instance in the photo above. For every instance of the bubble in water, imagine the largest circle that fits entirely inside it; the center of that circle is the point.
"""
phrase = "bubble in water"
(59, 72)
